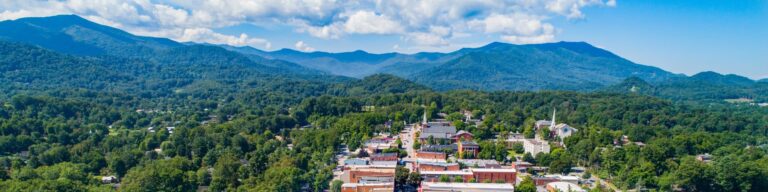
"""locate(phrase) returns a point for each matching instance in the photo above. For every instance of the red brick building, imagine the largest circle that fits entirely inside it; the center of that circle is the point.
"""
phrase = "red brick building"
(384, 157)
(495, 175)
(355, 175)
(468, 148)
(438, 166)
(462, 136)
(430, 155)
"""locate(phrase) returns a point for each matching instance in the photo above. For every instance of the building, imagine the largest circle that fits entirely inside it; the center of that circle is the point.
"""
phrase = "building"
(480, 163)
(513, 139)
(437, 166)
(108, 179)
(521, 166)
(367, 187)
(356, 161)
(384, 157)
(467, 148)
(439, 148)
(495, 175)
(430, 155)
(546, 179)
(564, 187)
(706, 157)
(434, 176)
(462, 136)
(535, 146)
(542, 124)
(384, 163)
(368, 175)
(562, 130)
(439, 131)
(466, 187)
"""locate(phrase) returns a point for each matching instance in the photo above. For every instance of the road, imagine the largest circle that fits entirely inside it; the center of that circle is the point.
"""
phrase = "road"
(406, 136)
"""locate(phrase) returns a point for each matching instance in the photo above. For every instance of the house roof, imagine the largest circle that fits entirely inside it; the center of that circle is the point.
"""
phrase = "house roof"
(463, 132)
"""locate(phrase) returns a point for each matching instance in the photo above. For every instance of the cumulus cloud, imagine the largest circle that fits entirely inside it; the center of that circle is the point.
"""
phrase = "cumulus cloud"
(301, 46)
(430, 23)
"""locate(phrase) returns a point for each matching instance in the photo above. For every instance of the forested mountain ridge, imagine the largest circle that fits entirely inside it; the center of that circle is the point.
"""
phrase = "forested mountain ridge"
(704, 87)
(552, 66)
(75, 35)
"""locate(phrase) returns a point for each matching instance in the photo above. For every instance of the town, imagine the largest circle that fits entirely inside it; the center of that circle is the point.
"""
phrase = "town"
(436, 155)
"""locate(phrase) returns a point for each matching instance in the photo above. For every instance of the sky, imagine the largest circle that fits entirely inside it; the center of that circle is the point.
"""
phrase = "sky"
(681, 36)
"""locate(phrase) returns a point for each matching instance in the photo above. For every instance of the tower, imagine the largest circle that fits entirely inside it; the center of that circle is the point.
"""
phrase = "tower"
(552, 125)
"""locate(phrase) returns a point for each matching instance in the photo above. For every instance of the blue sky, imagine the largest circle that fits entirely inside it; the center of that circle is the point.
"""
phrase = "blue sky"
(682, 36)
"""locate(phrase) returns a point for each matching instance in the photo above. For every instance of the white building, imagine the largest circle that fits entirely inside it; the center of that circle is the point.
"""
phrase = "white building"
(534, 146)
(564, 187)
(467, 187)
(563, 130)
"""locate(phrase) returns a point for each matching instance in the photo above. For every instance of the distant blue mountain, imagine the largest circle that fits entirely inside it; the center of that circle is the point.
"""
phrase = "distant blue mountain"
(356, 63)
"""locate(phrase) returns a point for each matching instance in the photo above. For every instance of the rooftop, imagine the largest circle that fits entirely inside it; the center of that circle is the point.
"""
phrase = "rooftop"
(493, 170)
(446, 173)
(476, 186)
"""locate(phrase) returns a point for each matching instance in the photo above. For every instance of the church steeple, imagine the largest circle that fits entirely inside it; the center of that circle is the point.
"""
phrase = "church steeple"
(552, 126)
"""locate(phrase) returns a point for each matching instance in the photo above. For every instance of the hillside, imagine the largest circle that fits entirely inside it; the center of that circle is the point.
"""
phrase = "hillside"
(75, 35)
(354, 64)
(702, 87)
(559, 66)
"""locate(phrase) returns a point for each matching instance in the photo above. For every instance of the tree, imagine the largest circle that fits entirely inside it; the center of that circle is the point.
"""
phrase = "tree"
(336, 185)
(526, 185)
(529, 158)
(458, 179)
(225, 173)
(518, 148)
(161, 175)
(444, 178)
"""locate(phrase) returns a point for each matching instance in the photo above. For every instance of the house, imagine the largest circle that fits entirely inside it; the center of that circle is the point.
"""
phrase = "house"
(108, 179)
(480, 163)
(535, 146)
(367, 187)
(564, 187)
(384, 157)
(462, 136)
(494, 175)
(706, 157)
(170, 129)
(430, 155)
(356, 161)
(469, 187)
(468, 148)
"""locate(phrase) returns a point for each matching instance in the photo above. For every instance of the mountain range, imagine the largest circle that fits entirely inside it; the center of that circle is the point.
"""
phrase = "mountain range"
(70, 40)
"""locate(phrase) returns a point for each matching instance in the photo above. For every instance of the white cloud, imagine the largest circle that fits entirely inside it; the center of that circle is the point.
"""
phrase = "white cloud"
(301, 46)
(431, 23)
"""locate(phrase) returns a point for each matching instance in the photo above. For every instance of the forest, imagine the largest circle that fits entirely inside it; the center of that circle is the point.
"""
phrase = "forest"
(281, 141)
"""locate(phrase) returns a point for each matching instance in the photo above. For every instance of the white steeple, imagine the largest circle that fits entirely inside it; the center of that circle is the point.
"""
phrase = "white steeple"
(552, 126)
(424, 119)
